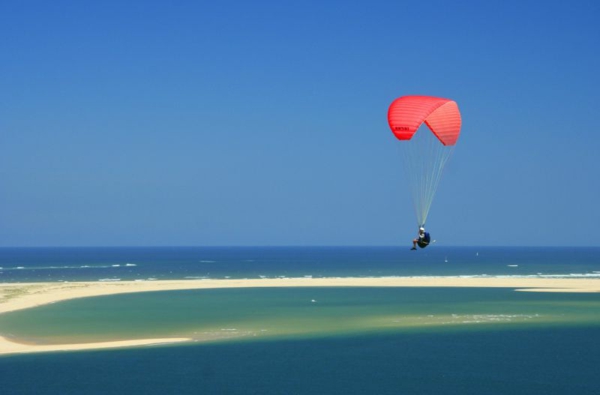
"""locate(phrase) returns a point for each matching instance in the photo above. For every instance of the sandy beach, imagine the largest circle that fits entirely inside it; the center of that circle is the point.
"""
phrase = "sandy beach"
(18, 296)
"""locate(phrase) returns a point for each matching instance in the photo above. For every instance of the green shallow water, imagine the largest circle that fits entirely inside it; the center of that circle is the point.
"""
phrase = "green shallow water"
(224, 315)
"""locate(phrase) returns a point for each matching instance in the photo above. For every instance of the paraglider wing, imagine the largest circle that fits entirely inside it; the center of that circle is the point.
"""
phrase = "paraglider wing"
(425, 152)
(406, 114)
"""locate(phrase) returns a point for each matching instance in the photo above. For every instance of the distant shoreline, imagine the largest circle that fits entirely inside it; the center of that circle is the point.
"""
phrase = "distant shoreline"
(18, 296)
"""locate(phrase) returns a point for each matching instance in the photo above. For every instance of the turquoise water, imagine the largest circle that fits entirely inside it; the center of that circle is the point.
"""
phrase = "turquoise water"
(309, 340)
(275, 313)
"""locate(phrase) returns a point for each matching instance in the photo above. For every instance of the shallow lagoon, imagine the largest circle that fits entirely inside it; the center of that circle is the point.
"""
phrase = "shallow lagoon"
(276, 313)
(349, 341)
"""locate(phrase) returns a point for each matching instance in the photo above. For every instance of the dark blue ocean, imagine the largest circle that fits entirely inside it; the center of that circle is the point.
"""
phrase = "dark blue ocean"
(556, 356)
(160, 263)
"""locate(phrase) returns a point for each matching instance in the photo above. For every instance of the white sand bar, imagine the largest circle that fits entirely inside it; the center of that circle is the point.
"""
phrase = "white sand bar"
(17, 296)
(9, 347)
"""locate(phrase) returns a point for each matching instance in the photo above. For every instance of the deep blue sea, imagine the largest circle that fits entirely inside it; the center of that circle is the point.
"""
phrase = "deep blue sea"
(529, 343)
(160, 263)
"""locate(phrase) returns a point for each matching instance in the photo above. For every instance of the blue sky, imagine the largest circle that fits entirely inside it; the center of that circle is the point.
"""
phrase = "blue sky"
(264, 122)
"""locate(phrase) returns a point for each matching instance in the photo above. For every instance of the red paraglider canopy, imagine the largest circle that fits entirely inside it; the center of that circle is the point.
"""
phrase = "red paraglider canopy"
(407, 113)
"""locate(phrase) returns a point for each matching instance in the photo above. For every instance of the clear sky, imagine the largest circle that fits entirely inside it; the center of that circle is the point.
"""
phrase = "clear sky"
(264, 122)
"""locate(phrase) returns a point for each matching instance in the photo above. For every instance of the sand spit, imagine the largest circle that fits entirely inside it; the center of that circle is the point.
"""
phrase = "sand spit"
(9, 347)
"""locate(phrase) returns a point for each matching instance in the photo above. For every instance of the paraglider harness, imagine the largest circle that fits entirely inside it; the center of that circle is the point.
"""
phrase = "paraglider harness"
(424, 241)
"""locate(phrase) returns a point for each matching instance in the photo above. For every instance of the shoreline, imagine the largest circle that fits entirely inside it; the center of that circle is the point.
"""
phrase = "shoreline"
(19, 296)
